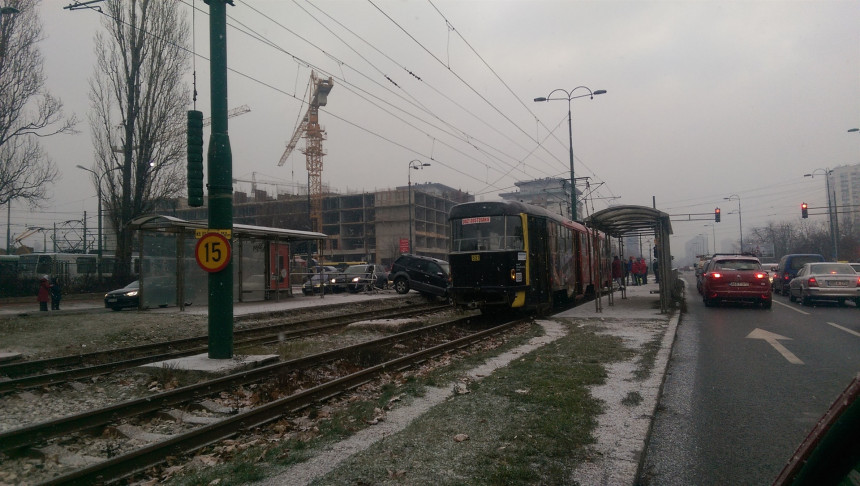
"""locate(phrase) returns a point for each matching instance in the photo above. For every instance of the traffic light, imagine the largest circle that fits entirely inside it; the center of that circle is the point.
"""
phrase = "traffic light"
(195, 158)
(803, 212)
(717, 215)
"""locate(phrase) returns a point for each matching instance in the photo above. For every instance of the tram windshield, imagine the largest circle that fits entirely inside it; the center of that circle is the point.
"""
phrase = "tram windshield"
(486, 233)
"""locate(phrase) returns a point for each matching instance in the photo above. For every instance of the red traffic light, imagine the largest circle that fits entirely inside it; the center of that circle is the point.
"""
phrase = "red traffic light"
(803, 211)
(716, 215)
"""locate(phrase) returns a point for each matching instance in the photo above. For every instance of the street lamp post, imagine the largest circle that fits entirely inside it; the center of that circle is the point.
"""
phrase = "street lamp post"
(413, 164)
(569, 97)
(713, 235)
(831, 214)
(740, 218)
(99, 195)
(6, 11)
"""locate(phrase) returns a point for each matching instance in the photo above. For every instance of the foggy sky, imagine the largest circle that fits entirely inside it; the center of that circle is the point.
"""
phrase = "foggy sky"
(704, 99)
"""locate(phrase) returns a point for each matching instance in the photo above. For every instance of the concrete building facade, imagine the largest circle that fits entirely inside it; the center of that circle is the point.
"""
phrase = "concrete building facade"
(845, 186)
(549, 193)
(363, 227)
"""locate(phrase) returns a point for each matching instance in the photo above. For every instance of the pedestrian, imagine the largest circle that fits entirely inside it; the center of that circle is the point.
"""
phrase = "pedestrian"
(630, 275)
(44, 294)
(637, 272)
(656, 267)
(56, 294)
(617, 273)
(643, 266)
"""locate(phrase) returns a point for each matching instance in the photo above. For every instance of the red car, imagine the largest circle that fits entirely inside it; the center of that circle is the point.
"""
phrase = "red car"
(736, 278)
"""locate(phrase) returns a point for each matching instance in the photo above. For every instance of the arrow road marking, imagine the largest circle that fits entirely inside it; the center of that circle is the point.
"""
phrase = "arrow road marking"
(773, 340)
(849, 331)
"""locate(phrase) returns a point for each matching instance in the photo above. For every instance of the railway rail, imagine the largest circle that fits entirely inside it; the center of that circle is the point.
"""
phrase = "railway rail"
(22, 375)
(17, 441)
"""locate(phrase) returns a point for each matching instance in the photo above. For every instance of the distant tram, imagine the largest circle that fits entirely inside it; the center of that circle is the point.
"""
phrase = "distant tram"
(518, 256)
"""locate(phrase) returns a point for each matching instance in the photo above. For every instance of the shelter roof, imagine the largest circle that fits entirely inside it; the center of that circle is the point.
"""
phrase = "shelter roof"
(159, 222)
(619, 221)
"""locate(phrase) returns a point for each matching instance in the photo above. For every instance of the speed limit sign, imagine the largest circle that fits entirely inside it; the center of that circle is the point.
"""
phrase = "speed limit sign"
(213, 252)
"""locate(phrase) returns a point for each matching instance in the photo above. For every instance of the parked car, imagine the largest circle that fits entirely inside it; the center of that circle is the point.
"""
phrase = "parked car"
(323, 280)
(160, 291)
(825, 281)
(429, 276)
(127, 296)
(357, 278)
(788, 267)
(736, 278)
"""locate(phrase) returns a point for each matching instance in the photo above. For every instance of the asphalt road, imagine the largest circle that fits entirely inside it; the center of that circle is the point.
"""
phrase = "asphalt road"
(745, 386)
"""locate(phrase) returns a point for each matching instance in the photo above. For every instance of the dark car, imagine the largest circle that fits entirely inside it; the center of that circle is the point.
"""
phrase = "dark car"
(323, 280)
(736, 278)
(357, 278)
(427, 275)
(825, 281)
(788, 267)
(128, 296)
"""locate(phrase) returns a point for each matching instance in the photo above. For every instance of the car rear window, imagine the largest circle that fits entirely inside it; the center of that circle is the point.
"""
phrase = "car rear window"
(797, 262)
(737, 265)
(831, 268)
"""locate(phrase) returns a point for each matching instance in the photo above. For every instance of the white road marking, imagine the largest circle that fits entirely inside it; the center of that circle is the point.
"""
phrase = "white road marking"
(792, 307)
(773, 340)
(849, 331)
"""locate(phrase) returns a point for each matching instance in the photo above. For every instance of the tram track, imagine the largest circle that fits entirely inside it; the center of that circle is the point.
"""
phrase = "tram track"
(22, 375)
(15, 441)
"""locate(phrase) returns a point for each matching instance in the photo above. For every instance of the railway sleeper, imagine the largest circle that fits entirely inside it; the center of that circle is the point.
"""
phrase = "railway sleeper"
(64, 457)
(136, 433)
(185, 417)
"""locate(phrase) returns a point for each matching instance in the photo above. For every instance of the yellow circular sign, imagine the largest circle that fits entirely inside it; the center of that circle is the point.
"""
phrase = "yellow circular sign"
(213, 252)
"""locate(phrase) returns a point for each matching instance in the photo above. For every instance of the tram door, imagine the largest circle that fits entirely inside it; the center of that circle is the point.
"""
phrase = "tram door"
(539, 260)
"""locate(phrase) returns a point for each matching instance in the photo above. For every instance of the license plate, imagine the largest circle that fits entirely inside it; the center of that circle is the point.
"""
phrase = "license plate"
(739, 284)
(837, 283)
(112, 299)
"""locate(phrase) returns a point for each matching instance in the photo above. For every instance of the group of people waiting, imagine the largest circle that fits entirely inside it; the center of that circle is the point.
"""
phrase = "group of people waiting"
(49, 291)
(633, 270)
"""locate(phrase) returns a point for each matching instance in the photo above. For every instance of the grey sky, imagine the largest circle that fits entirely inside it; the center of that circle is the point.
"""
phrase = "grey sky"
(705, 99)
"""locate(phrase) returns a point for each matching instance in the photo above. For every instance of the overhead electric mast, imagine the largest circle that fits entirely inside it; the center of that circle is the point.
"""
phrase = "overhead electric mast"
(314, 135)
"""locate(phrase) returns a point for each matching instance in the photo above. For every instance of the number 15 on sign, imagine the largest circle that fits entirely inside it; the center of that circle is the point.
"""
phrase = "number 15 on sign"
(213, 252)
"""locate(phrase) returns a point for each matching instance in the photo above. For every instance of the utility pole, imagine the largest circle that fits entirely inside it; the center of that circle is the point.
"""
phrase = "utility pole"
(220, 173)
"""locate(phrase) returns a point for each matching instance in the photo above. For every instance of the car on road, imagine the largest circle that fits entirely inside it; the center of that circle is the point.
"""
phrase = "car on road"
(736, 278)
(429, 276)
(322, 280)
(825, 281)
(855, 266)
(788, 267)
(160, 291)
(358, 278)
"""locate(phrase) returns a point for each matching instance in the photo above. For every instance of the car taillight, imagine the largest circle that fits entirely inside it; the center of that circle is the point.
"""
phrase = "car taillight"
(812, 282)
(761, 275)
(715, 275)
(785, 277)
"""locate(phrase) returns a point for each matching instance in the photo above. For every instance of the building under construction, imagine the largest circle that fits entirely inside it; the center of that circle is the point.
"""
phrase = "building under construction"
(369, 227)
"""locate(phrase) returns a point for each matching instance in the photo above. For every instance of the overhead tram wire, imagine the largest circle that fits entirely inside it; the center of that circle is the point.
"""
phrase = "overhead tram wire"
(469, 139)
(428, 85)
(517, 98)
(251, 33)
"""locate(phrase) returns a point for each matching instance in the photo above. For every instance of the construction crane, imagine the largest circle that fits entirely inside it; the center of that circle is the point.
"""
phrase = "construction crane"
(314, 135)
(239, 110)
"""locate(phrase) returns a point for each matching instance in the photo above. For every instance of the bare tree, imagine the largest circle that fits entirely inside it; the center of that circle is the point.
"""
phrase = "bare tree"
(138, 99)
(27, 110)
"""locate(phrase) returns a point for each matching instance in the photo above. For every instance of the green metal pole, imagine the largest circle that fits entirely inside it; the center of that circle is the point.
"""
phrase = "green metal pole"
(220, 173)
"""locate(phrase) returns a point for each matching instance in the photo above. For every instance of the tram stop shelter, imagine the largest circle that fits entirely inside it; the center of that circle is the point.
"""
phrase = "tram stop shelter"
(170, 275)
(632, 221)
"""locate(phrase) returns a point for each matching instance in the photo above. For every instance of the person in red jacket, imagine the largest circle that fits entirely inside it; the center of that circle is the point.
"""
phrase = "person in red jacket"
(617, 272)
(44, 294)
(637, 271)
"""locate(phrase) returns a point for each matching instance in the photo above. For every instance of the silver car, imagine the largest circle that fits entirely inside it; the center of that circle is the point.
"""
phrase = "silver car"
(825, 281)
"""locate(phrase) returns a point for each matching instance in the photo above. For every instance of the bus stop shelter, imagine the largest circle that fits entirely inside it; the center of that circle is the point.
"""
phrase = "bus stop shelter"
(623, 221)
(170, 275)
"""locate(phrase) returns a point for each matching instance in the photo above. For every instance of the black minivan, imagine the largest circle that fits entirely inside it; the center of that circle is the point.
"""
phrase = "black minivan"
(424, 274)
(788, 267)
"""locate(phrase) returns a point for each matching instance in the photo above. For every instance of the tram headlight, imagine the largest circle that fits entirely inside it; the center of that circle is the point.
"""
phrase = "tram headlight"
(513, 274)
